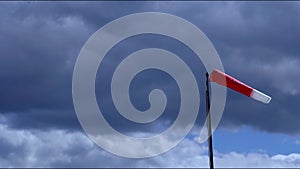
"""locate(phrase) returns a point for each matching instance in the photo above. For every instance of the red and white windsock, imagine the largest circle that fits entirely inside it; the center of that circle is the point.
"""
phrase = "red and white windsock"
(232, 83)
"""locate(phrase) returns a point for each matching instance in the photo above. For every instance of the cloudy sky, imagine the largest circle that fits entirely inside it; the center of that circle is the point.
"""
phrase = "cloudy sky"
(258, 42)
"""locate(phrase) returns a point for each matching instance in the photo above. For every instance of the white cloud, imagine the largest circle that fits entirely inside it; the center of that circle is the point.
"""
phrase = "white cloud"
(60, 148)
(257, 160)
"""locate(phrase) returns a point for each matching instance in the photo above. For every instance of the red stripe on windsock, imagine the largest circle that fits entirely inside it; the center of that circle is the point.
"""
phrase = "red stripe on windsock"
(230, 82)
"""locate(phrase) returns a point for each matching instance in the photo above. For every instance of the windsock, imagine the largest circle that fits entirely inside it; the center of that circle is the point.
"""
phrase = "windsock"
(225, 80)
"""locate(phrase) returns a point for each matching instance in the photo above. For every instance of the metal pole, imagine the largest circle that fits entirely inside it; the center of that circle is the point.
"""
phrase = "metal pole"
(211, 156)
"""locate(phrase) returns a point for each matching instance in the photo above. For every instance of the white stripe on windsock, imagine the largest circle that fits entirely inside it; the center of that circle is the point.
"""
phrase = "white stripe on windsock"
(257, 95)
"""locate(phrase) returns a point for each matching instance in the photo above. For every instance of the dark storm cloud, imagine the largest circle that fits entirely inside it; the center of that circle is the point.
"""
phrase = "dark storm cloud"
(36, 88)
(37, 58)
(257, 42)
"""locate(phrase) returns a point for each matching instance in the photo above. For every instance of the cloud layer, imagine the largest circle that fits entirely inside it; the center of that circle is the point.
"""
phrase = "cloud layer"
(42, 40)
(60, 148)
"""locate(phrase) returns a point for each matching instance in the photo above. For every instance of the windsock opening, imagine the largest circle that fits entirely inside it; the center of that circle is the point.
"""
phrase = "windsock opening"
(225, 80)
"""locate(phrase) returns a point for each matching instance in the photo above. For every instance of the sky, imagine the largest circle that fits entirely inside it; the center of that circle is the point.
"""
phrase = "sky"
(257, 42)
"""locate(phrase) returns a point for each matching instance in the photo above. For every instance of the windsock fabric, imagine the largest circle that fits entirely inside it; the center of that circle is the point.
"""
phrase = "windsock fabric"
(225, 80)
